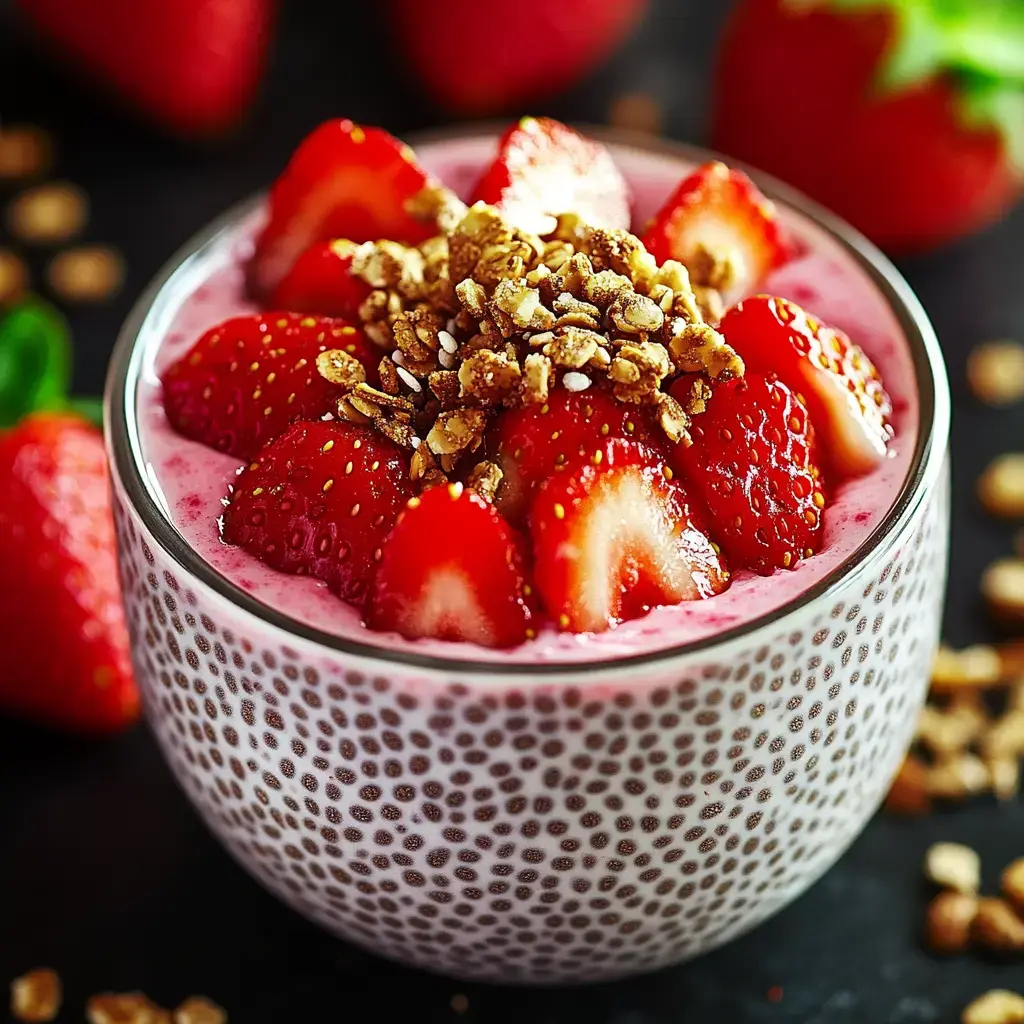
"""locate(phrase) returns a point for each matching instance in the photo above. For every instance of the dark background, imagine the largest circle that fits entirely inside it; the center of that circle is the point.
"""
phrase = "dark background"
(105, 872)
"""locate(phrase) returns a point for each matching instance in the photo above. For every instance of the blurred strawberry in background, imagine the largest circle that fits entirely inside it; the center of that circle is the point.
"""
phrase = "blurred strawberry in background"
(904, 116)
(476, 58)
(61, 619)
(190, 65)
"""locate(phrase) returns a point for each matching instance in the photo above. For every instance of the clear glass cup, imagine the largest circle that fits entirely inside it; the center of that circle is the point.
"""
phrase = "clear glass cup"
(550, 823)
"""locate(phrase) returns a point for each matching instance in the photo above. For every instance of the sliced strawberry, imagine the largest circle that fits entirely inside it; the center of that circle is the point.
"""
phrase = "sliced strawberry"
(719, 209)
(753, 464)
(840, 385)
(614, 539)
(321, 282)
(319, 501)
(452, 569)
(343, 181)
(534, 442)
(544, 168)
(246, 379)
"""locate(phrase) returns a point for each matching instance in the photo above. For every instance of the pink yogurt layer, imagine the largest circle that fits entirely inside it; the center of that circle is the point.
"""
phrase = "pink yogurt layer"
(190, 481)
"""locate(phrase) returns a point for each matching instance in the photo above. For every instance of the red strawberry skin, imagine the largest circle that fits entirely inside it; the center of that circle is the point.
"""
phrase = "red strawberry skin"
(721, 208)
(191, 65)
(247, 379)
(842, 388)
(499, 67)
(452, 569)
(613, 539)
(319, 501)
(544, 167)
(753, 464)
(61, 618)
(343, 181)
(902, 166)
(535, 442)
(321, 282)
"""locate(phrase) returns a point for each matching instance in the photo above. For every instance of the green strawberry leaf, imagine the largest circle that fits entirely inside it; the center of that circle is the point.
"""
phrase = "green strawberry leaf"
(987, 104)
(980, 42)
(35, 360)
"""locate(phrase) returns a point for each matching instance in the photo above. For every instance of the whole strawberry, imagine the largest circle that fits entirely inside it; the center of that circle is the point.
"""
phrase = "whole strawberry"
(61, 621)
(478, 59)
(904, 116)
(190, 65)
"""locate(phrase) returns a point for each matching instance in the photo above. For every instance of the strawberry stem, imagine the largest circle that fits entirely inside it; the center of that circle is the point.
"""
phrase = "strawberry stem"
(35, 364)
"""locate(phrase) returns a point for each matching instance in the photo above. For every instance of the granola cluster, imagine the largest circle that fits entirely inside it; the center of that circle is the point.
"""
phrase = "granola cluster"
(485, 316)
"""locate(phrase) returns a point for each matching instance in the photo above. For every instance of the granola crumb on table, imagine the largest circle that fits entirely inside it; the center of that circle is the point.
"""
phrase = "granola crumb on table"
(485, 316)
(36, 996)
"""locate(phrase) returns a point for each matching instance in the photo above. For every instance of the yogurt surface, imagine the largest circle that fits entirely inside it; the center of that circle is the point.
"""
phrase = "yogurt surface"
(190, 481)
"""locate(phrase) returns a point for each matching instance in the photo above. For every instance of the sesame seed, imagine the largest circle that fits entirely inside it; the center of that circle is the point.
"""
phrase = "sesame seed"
(357, 444)
(306, 321)
(819, 499)
(268, 410)
(328, 485)
(257, 491)
(575, 381)
(271, 377)
(446, 359)
(413, 503)
(348, 467)
(597, 458)
(375, 465)
(447, 342)
(397, 357)
(254, 367)
(327, 447)
(355, 509)
(787, 559)
(668, 473)
(559, 511)
(455, 491)
(563, 621)
(408, 379)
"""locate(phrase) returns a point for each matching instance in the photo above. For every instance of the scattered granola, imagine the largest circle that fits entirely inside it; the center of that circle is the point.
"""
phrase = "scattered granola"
(995, 372)
(637, 111)
(996, 1007)
(124, 1008)
(200, 1010)
(1002, 586)
(48, 214)
(486, 316)
(953, 866)
(88, 273)
(13, 276)
(1012, 883)
(949, 920)
(1001, 486)
(25, 151)
(998, 927)
(36, 996)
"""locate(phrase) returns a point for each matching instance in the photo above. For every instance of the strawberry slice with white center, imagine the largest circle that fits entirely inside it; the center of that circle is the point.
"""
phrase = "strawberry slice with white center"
(614, 539)
(536, 441)
(841, 387)
(344, 181)
(322, 282)
(719, 210)
(452, 569)
(543, 168)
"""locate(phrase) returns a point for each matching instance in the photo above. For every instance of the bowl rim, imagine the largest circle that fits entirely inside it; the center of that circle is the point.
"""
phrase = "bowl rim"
(926, 467)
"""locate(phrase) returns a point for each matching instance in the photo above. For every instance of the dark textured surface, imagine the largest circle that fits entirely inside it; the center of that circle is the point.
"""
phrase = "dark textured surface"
(106, 873)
